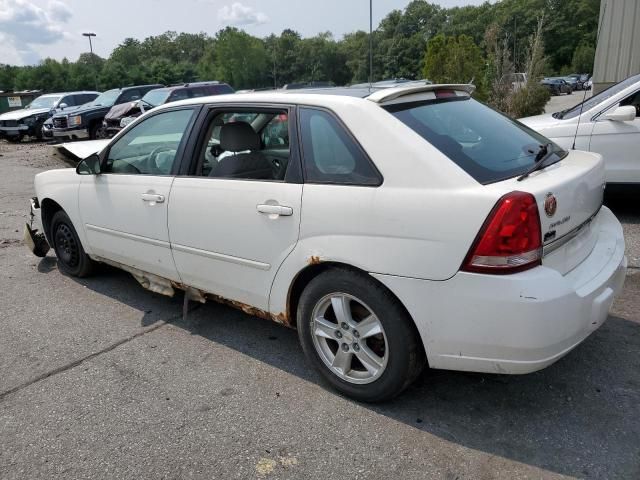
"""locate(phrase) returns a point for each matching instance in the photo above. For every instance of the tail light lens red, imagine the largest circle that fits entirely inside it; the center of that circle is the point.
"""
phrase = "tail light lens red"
(510, 238)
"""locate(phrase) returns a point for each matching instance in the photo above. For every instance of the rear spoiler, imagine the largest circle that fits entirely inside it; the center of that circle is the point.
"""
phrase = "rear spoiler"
(388, 94)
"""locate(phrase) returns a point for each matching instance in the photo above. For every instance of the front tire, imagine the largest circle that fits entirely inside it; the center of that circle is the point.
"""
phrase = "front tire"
(72, 258)
(358, 336)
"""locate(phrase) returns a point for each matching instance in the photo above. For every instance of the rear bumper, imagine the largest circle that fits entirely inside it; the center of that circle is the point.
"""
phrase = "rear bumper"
(516, 323)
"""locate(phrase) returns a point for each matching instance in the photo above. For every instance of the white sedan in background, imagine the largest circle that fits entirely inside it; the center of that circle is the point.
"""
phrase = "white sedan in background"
(394, 229)
(609, 124)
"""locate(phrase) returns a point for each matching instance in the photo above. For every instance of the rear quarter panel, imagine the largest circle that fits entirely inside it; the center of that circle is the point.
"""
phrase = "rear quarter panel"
(419, 223)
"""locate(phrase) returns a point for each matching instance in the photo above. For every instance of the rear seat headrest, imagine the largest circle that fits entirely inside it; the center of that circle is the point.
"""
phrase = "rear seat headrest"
(238, 136)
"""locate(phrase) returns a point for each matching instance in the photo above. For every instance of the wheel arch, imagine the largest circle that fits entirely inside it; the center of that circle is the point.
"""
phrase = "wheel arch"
(311, 271)
(48, 209)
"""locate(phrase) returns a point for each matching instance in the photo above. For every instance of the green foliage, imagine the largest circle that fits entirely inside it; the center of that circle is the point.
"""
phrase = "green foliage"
(583, 59)
(528, 101)
(238, 58)
(459, 49)
(454, 60)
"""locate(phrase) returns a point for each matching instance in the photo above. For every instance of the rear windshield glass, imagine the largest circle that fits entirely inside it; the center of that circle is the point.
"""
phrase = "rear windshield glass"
(486, 144)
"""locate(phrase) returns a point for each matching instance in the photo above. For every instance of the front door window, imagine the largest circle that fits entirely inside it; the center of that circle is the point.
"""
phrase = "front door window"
(150, 148)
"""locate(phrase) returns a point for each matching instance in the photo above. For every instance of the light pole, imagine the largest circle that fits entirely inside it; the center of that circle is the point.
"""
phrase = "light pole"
(95, 73)
(370, 42)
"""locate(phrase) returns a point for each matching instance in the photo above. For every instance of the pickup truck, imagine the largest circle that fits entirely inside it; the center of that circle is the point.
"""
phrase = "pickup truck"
(86, 122)
(28, 121)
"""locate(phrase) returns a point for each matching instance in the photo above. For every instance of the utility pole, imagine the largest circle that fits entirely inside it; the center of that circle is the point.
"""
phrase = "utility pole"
(370, 42)
(275, 81)
(95, 73)
(515, 33)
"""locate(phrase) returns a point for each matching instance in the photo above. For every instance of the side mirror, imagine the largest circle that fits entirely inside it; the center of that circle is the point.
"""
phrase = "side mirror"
(89, 166)
(626, 113)
(62, 106)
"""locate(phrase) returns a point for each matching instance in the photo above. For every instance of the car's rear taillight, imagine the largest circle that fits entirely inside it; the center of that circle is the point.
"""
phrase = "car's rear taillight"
(510, 239)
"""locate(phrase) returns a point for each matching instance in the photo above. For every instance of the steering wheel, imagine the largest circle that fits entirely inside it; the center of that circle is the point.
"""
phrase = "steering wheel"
(153, 157)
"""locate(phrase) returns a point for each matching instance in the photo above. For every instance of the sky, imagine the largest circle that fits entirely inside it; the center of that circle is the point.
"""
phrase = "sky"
(31, 30)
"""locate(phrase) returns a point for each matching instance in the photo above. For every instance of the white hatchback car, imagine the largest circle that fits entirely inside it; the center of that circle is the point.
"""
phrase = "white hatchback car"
(607, 123)
(393, 228)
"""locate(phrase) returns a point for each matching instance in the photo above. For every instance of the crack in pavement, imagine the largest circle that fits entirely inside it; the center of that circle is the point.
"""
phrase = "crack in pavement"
(91, 356)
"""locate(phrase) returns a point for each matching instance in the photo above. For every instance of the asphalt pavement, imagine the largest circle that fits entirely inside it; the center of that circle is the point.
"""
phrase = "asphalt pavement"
(100, 378)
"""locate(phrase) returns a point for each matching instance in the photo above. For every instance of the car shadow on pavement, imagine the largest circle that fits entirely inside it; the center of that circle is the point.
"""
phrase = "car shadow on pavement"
(47, 264)
(578, 417)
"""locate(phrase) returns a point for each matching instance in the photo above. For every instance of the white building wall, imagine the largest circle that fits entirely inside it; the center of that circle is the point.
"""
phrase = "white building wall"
(618, 49)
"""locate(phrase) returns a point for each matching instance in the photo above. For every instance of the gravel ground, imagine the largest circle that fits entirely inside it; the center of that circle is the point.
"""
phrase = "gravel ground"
(102, 379)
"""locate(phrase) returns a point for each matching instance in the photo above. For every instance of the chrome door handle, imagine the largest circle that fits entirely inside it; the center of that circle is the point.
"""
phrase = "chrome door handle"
(275, 210)
(152, 197)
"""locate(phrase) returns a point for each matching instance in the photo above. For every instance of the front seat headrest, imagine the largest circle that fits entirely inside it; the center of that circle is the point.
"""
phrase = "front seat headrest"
(238, 137)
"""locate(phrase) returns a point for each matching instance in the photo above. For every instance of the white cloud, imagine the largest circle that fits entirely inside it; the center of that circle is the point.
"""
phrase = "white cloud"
(59, 11)
(24, 24)
(240, 15)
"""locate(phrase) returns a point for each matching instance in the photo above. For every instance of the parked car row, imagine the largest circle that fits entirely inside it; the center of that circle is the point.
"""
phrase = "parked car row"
(557, 86)
(81, 115)
(578, 81)
(568, 84)
(122, 114)
(28, 121)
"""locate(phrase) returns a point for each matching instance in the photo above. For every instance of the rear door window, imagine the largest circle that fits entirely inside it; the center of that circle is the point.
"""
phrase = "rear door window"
(129, 96)
(219, 89)
(86, 98)
(331, 154)
(487, 145)
(69, 100)
(234, 145)
(179, 94)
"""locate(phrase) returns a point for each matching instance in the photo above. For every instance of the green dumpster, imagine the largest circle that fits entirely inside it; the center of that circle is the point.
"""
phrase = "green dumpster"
(16, 100)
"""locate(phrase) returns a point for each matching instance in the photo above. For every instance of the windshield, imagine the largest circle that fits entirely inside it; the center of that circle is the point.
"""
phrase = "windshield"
(106, 99)
(487, 145)
(597, 99)
(156, 97)
(44, 102)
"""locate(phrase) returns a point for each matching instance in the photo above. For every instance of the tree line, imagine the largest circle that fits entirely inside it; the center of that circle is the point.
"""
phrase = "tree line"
(424, 40)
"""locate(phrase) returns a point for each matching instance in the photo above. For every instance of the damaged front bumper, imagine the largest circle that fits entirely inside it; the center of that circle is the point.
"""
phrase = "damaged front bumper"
(33, 235)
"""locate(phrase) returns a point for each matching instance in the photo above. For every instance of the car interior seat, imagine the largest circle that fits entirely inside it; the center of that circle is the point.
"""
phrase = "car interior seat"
(247, 161)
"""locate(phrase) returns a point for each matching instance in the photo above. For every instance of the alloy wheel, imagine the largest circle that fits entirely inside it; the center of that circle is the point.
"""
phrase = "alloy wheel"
(349, 338)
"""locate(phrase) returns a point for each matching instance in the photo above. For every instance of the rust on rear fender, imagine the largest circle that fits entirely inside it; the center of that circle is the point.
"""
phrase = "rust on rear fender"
(281, 318)
(314, 260)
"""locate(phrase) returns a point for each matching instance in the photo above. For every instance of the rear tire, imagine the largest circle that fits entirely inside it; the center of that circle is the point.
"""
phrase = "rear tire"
(17, 139)
(370, 361)
(72, 258)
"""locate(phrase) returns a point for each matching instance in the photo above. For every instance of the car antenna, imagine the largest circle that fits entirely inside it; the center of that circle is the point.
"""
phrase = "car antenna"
(584, 98)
